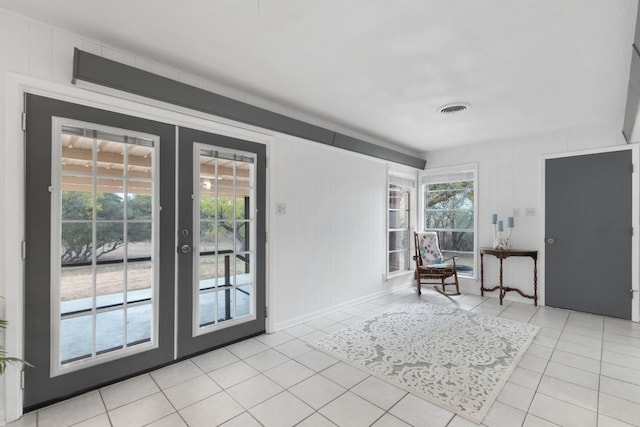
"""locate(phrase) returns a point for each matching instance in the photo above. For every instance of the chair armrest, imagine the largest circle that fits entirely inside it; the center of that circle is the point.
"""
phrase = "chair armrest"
(453, 259)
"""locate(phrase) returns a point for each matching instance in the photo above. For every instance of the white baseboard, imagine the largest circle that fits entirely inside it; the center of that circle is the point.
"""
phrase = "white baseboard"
(278, 326)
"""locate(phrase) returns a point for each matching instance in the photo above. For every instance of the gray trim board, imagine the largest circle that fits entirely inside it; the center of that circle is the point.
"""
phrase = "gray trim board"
(105, 72)
(633, 96)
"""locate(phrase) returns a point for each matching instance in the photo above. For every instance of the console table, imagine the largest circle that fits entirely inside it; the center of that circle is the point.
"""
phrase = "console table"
(503, 254)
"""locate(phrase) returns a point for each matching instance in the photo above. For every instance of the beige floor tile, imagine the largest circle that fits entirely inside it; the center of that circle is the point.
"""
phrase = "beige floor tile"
(71, 411)
(619, 409)
(619, 358)
(619, 372)
(533, 363)
(604, 421)
(191, 391)
(27, 420)
(101, 420)
(215, 360)
(254, 390)
(266, 360)
(576, 361)
(533, 421)
(212, 411)
(233, 374)
(294, 348)
(626, 349)
(317, 391)
(283, 409)
(316, 360)
(561, 413)
(289, 373)
(569, 392)
(243, 420)
(378, 392)
(418, 412)
(458, 421)
(246, 348)
(621, 389)
(573, 375)
(579, 349)
(576, 338)
(141, 412)
(351, 410)
(175, 374)
(128, 391)
(316, 420)
(173, 420)
(516, 396)
(501, 415)
(344, 374)
(275, 338)
(525, 378)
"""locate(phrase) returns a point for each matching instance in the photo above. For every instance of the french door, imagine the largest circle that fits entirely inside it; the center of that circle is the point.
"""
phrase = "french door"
(101, 283)
(221, 217)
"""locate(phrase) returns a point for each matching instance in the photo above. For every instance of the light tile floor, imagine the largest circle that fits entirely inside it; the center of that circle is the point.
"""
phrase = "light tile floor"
(582, 370)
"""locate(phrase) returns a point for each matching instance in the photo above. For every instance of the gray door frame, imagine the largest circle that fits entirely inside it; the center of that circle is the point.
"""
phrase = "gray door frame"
(635, 202)
(40, 111)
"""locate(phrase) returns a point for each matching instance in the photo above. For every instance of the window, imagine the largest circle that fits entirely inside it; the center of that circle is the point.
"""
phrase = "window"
(399, 224)
(450, 209)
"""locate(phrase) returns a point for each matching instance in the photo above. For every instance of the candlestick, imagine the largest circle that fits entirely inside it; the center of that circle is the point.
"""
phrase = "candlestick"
(501, 240)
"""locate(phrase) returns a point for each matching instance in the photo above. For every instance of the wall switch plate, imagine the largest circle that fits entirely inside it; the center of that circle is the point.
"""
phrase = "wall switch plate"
(530, 212)
(281, 209)
(516, 212)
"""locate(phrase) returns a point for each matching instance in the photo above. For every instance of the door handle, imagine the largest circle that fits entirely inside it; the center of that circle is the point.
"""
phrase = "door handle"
(550, 240)
(185, 249)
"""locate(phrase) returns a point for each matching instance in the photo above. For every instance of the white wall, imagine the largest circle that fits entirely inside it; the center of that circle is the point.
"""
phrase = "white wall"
(326, 252)
(329, 247)
(509, 176)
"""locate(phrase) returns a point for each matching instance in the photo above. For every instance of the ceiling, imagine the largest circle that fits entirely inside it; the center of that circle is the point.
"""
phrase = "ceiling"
(383, 68)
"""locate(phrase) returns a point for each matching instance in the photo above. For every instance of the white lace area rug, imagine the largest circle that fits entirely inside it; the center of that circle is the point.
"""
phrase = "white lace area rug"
(454, 358)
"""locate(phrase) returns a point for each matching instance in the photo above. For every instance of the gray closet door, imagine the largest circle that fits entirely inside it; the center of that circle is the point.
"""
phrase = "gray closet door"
(588, 233)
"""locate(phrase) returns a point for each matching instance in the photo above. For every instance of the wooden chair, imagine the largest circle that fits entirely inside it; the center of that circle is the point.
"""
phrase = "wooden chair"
(431, 267)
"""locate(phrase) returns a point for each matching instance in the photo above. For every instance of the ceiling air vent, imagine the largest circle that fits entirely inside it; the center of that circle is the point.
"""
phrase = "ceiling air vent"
(456, 107)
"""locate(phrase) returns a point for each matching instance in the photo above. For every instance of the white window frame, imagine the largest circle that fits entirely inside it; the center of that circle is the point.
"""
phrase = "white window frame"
(409, 182)
(57, 367)
(442, 172)
(196, 329)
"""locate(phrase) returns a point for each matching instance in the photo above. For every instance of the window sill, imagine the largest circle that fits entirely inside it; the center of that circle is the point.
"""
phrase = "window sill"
(397, 274)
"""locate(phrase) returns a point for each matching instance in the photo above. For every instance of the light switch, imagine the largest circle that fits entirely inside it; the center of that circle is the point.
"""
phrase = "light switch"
(530, 211)
(516, 212)
(281, 209)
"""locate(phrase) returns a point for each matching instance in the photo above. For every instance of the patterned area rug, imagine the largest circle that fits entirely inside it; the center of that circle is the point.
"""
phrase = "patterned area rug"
(454, 358)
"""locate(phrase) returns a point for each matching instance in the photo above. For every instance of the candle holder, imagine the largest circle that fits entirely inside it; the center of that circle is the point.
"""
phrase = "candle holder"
(501, 239)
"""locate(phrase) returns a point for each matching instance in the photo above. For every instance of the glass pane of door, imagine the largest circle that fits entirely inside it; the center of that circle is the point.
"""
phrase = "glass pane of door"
(103, 244)
(224, 287)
